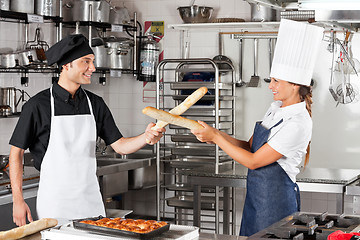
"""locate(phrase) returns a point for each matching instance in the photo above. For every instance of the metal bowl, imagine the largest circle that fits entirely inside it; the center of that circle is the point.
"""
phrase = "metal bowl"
(195, 14)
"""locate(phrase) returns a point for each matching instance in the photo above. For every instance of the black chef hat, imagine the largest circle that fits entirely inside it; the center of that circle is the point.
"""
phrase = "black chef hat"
(68, 49)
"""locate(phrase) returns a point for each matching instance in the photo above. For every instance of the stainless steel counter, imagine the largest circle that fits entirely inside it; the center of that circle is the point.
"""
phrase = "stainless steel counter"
(309, 180)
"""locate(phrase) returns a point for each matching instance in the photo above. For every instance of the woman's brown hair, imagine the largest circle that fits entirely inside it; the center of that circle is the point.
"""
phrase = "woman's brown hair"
(306, 95)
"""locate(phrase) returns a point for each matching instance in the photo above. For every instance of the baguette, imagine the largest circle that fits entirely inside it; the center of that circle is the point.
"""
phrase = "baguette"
(171, 118)
(28, 229)
(185, 105)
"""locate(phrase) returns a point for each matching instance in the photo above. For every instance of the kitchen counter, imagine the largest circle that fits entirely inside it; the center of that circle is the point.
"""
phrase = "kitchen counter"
(309, 180)
(65, 230)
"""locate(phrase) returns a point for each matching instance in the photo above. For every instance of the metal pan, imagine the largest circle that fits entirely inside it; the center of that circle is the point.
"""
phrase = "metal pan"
(207, 203)
(116, 232)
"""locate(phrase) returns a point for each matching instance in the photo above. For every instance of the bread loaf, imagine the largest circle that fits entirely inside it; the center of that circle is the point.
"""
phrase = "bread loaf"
(28, 229)
(171, 118)
(185, 105)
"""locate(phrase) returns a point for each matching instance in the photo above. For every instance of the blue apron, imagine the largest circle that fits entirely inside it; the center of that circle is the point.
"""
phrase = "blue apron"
(271, 195)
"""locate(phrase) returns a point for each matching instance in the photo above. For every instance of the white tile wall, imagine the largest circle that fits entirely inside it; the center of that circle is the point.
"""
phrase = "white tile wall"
(124, 95)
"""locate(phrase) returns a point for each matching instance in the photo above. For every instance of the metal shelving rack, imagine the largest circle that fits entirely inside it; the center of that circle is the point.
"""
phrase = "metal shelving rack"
(182, 149)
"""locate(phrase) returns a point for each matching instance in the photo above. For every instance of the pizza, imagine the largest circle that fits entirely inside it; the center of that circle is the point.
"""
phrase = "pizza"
(131, 225)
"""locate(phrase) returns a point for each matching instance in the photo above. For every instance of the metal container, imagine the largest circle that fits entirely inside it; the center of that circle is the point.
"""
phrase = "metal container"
(119, 16)
(84, 10)
(8, 98)
(5, 5)
(142, 177)
(260, 13)
(120, 51)
(102, 59)
(27, 6)
(8, 60)
(27, 57)
(195, 14)
(46, 7)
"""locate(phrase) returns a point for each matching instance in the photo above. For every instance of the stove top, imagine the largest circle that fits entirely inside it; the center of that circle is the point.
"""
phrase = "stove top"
(304, 226)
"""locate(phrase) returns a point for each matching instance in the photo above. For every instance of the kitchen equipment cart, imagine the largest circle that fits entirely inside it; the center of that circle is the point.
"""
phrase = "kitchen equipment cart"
(175, 80)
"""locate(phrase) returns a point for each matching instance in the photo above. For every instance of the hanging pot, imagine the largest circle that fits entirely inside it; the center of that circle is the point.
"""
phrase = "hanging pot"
(84, 10)
(46, 7)
(5, 5)
(22, 6)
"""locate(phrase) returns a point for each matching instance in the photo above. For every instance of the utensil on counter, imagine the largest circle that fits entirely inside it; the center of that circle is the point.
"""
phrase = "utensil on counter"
(254, 80)
(195, 14)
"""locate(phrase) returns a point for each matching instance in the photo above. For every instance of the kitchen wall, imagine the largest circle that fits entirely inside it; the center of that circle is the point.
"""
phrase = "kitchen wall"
(335, 142)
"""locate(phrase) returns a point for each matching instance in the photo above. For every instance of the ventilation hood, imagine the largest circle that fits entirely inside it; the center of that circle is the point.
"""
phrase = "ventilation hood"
(344, 13)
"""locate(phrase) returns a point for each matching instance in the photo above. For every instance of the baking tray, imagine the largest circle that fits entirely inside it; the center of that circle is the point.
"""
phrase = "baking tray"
(186, 187)
(196, 151)
(196, 85)
(184, 138)
(190, 163)
(204, 98)
(116, 232)
(222, 125)
(207, 203)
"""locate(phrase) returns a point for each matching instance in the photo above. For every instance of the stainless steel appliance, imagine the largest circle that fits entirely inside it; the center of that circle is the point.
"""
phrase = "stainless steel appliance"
(22, 6)
(84, 10)
(5, 5)
(8, 98)
(46, 7)
(305, 226)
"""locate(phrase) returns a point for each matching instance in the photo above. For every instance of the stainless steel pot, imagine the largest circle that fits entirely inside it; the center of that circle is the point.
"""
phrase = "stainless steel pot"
(5, 5)
(9, 60)
(27, 57)
(120, 51)
(260, 13)
(8, 98)
(46, 7)
(119, 16)
(102, 59)
(22, 6)
(84, 10)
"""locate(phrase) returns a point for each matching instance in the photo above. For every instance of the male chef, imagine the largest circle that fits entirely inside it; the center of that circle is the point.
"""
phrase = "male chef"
(60, 126)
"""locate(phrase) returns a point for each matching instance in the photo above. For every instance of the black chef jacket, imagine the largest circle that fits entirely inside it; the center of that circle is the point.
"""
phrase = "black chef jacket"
(33, 128)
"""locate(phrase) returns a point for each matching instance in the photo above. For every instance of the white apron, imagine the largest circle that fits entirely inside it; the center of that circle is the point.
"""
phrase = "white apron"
(68, 186)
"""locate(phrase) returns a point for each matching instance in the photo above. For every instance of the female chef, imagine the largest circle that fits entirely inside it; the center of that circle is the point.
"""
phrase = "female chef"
(60, 126)
(281, 140)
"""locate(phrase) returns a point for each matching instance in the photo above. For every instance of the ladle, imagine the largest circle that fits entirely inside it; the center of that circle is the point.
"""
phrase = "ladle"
(192, 2)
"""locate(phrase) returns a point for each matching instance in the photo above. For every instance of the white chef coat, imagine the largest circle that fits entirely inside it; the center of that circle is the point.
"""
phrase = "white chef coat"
(291, 137)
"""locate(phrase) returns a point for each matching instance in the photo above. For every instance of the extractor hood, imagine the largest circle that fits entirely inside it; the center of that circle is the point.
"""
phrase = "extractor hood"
(345, 13)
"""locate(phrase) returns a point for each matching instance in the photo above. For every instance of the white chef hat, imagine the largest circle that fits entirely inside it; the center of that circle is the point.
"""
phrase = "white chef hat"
(296, 51)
